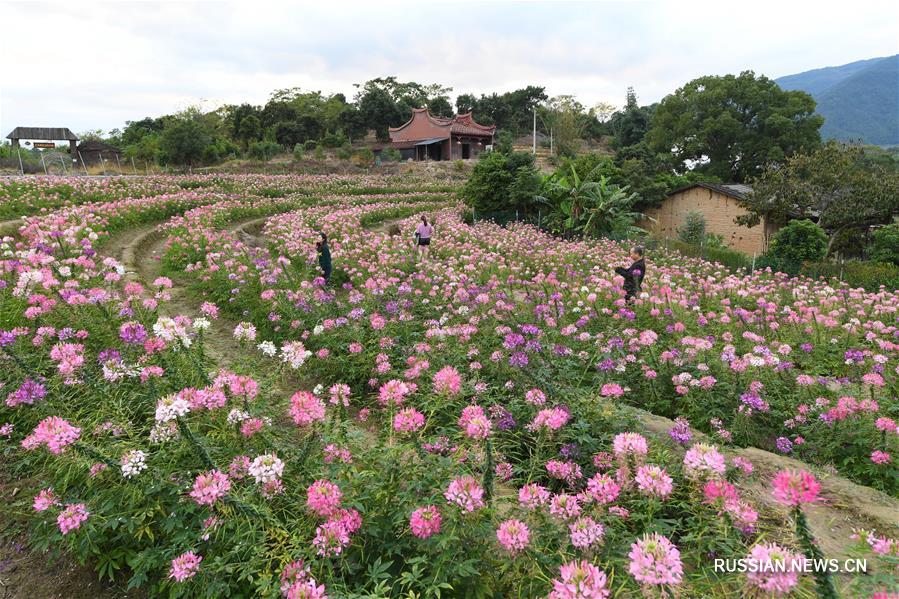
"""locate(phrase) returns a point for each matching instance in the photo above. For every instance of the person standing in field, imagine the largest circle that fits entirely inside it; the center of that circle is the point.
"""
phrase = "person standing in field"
(324, 256)
(423, 237)
(633, 276)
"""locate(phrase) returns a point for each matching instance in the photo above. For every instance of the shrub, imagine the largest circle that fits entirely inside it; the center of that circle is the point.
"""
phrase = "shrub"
(732, 259)
(800, 241)
(856, 273)
(263, 150)
(363, 157)
(319, 153)
(298, 151)
(310, 145)
(693, 230)
(391, 155)
(502, 181)
(886, 245)
(335, 140)
(344, 152)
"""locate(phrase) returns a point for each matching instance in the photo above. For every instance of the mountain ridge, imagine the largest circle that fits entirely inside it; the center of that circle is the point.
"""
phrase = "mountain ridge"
(859, 100)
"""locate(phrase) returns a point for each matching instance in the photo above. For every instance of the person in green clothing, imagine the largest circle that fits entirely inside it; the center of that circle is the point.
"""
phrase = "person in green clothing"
(324, 256)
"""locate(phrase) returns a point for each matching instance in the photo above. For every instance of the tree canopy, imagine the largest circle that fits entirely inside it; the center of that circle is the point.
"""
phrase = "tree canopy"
(733, 126)
(836, 184)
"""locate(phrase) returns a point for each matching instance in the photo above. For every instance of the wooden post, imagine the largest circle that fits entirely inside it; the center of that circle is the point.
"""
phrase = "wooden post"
(118, 162)
(133, 167)
(752, 271)
(19, 152)
(83, 165)
(103, 163)
(44, 164)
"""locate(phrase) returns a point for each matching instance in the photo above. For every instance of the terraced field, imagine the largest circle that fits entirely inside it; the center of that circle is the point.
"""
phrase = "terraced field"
(192, 410)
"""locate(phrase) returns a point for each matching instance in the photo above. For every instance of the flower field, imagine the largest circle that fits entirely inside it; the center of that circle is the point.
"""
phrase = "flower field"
(494, 421)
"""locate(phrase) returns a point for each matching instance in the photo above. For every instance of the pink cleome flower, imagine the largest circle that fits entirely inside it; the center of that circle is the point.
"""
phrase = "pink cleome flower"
(466, 493)
(795, 487)
(54, 432)
(323, 498)
(513, 535)
(447, 381)
(425, 521)
(771, 570)
(306, 408)
(655, 560)
(580, 580)
(185, 566)
(209, 487)
(71, 517)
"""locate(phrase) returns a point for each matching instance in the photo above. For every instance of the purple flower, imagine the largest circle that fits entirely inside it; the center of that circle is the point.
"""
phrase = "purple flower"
(784, 445)
(680, 432)
(518, 358)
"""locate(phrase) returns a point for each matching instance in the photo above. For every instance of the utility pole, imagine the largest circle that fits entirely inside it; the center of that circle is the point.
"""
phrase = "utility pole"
(534, 150)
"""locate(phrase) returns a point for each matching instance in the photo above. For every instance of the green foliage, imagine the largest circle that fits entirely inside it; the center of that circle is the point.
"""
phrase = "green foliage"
(800, 241)
(693, 230)
(334, 140)
(630, 124)
(837, 184)
(298, 152)
(184, 140)
(503, 181)
(310, 145)
(391, 155)
(733, 260)
(363, 157)
(512, 111)
(590, 206)
(344, 152)
(733, 126)
(885, 247)
(264, 150)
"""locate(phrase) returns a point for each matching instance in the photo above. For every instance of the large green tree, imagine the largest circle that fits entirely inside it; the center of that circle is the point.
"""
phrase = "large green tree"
(733, 126)
(630, 124)
(836, 184)
(185, 137)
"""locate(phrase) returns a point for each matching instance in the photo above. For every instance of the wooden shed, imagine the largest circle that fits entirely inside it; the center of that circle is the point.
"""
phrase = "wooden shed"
(721, 205)
(92, 151)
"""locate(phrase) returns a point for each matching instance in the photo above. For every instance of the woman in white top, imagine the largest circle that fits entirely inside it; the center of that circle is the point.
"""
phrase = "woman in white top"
(423, 237)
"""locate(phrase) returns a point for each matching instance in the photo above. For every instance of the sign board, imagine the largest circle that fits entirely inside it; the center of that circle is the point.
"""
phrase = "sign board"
(44, 144)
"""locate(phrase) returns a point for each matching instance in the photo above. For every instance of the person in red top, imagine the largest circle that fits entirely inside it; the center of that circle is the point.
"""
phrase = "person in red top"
(423, 237)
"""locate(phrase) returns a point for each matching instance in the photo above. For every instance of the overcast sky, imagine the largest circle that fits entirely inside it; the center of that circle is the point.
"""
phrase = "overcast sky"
(90, 65)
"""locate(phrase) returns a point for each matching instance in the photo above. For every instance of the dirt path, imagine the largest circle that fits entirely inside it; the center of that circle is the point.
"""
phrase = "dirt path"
(847, 505)
(141, 254)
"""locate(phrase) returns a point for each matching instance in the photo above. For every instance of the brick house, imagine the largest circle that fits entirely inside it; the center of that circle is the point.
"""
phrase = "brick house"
(429, 137)
(720, 204)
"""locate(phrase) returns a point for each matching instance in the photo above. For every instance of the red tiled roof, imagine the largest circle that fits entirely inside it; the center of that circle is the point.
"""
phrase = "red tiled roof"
(423, 123)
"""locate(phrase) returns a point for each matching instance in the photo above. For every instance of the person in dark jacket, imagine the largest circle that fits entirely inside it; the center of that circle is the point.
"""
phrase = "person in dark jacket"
(324, 256)
(633, 276)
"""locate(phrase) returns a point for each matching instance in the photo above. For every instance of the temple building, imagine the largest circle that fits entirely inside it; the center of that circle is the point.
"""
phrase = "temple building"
(429, 137)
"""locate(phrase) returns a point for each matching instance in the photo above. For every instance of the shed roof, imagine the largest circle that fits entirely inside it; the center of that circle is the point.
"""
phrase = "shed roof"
(739, 191)
(48, 133)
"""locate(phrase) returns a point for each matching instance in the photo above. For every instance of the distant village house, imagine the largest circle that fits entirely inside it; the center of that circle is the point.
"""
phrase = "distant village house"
(720, 205)
(429, 137)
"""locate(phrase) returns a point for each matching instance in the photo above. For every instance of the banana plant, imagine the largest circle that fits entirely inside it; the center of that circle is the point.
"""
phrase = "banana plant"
(590, 206)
